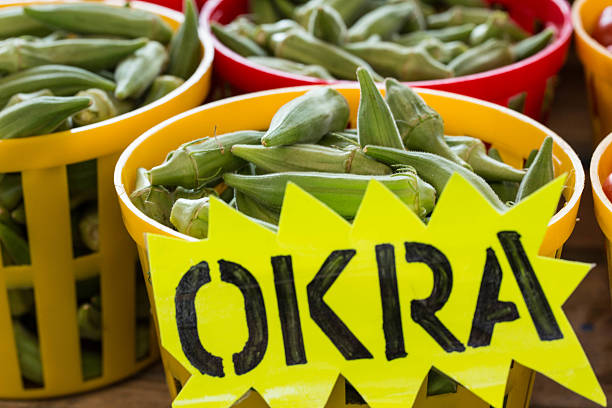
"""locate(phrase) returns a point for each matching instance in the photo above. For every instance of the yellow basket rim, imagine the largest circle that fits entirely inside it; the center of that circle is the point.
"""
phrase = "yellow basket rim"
(594, 172)
(583, 35)
(571, 204)
(205, 65)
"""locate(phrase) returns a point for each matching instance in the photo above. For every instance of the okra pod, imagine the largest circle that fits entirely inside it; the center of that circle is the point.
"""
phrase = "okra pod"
(453, 33)
(474, 152)
(297, 45)
(492, 28)
(263, 11)
(14, 23)
(15, 249)
(263, 33)
(61, 80)
(350, 10)
(138, 71)
(505, 190)
(98, 18)
(18, 214)
(202, 161)
(532, 45)
(28, 352)
(435, 170)
(253, 209)
(89, 319)
(326, 24)
(90, 53)
(341, 192)
(101, 108)
(384, 21)
(162, 86)
(155, 202)
(238, 43)
(339, 140)
(517, 102)
(185, 50)
(403, 63)
(20, 97)
(375, 123)
(443, 52)
(308, 118)
(88, 229)
(285, 7)
(284, 65)
(421, 128)
(458, 15)
(540, 172)
(530, 158)
(308, 157)
(489, 55)
(11, 191)
(193, 193)
(39, 116)
(21, 301)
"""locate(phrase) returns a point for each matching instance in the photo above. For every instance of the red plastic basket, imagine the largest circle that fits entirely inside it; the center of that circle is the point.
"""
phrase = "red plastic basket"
(532, 75)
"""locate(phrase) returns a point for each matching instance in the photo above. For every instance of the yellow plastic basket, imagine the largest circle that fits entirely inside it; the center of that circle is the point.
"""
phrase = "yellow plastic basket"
(513, 134)
(597, 63)
(42, 162)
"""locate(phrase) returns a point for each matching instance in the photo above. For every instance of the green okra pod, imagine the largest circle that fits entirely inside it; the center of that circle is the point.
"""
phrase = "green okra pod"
(88, 229)
(297, 45)
(185, 50)
(435, 170)
(263, 33)
(39, 116)
(403, 63)
(28, 352)
(138, 71)
(474, 152)
(61, 80)
(11, 191)
(443, 52)
(19, 215)
(308, 157)
(15, 249)
(530, 158)
(99, 18)
(20, 97)
(458, 15)
(284, 65)
(494, 27)
(90, 53)
(252, 208)
(326, 24)
(384, 21)
(238, 43)
(89, 319)
(505, 190)
(202, 161)
(285, 7)
(339, 140)
(350, 10)
(453, 33)
(21, 301)
(375, 123)
(101, 108)
(532, 45)
(162, 86)
(306, 119)
(421, 128)
(489, 55)
(193, 193)
(14, 23)
(517, 102)
(343, 193)
(263, 11)
(540, 172)
(155, 202)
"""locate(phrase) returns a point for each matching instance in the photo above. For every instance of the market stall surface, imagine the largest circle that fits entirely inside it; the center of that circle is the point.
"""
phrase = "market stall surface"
(588, 309)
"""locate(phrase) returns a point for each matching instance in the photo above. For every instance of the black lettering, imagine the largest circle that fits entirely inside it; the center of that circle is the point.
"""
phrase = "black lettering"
(389, 294)
(288, 311)
(423, 310)
(340, 335)
(255, 347)
(489, 310)
(537, 304)
(187, 321)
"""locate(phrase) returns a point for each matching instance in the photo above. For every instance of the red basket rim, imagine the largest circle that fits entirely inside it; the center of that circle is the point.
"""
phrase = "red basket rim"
(561, 40)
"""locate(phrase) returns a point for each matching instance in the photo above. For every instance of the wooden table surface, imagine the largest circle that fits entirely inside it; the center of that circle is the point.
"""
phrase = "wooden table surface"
(588, 309)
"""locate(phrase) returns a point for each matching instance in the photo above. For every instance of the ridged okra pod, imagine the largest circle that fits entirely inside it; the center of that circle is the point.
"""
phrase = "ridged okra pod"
(540, 173)
(341, 192)
(532, 45)
(326, 24)
(238, 43)
(39, 116)
(155, 201)
(90, 53)
(421, 128)
(88, 229)
(11, 191)
(15, 249)
(453, 33)
(14, 23)
(18, 215)
(162, 86)
(339, 140)
(403, 63)
(97, 18)
(29, 354)
(284, 65)
(20, 97)
(202, 161)
(185, 50)
(434, 169)
(458, 15)
(21, 301)
(263, 11)
(505, 190)
(307, 118)
(308, 157)
(350, 10)
(138, 71)
(297, 45)
(474, 152)
(489, 55)
(530, 158)
(252, 208)
(89, 319)
(262, 34)
(101, 108)
(375, 123)
(61, 80)
(384, 21)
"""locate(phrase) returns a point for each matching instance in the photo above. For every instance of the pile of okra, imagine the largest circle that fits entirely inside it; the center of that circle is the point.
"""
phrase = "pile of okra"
(68, 65)
(409, 40)
(399, 141)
